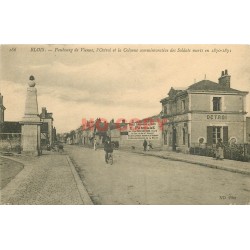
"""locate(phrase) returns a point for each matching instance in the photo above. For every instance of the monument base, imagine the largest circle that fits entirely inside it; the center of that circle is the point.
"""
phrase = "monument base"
(31, 153)
(31, 139)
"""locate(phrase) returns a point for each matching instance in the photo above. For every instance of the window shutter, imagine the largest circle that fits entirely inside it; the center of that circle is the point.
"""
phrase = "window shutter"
(209, 135)
(225, 134)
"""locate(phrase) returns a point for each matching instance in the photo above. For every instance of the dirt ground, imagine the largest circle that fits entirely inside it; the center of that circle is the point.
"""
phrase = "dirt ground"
(8, 170)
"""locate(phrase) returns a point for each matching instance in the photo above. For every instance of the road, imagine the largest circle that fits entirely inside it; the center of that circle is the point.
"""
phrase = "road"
(140, 179)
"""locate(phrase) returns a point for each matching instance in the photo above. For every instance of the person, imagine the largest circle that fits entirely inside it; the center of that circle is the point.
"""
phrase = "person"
(219, 150)
(145, 144)
(150, 146)
(95, 144)
(108, 149)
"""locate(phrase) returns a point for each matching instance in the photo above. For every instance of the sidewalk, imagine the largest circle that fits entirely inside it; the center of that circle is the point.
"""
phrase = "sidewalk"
(228, 165)
(50, 179)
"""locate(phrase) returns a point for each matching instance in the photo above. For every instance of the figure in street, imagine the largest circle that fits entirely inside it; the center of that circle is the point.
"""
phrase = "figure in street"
(145, 144)
(95, 143)
(108, 149)
(219, 150)
(150, 146)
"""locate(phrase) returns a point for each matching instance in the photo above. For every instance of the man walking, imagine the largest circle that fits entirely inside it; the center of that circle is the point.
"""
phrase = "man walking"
(145, 144)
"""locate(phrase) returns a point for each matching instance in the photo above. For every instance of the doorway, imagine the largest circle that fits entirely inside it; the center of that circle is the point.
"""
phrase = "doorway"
(174, 139)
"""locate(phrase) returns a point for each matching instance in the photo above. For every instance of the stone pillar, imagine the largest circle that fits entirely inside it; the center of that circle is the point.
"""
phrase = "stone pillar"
(31, 122)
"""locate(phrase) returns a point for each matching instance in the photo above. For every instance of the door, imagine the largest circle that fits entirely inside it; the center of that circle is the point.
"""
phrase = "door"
(174, 139)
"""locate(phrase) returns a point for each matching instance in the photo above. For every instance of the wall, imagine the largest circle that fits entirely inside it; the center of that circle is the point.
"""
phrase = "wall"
(230, 103)
(125, 142)
(234, 103)
(200, 102)
(248, 129)
(235, 123)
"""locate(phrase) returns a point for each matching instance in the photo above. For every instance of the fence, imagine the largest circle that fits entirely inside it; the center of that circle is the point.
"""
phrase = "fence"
(10, 142)
(238, 152)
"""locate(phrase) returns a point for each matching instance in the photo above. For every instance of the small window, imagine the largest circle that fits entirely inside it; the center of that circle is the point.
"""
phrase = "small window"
(183, 105)
(217, 104)
(232, 141)
(201, 140)
(165, 109)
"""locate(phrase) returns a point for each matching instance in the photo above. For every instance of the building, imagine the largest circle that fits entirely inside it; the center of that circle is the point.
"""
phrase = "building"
(10, 132)
(2, 108)
(202, 113)
(248, 129)
(97, 130)
(132, 134)
(48, 132)
(7, 128)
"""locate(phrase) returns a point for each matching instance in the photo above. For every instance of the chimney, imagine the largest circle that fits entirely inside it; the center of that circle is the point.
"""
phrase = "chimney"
(225, 79)
(44, 111)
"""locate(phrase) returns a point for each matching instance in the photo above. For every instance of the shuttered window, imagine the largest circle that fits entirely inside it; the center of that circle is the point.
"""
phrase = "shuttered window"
(225, 134)
(209, 135)
(214, 133)
(217, 104)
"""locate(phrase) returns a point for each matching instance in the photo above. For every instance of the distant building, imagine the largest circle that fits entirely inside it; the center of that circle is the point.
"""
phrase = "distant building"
(11, 127)
(134, 133)
(7, 127)
(248, 129)
(203, 113)
(48, 132)
(93, 130)
(2, 108)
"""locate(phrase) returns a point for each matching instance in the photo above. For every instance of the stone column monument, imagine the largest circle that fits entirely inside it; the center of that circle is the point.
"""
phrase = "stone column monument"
(31, 122)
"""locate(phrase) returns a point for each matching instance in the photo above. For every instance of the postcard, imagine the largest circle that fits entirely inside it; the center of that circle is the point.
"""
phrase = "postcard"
(125, 124)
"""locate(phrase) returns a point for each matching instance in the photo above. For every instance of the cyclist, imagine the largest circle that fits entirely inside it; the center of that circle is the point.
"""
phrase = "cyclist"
(108, 149)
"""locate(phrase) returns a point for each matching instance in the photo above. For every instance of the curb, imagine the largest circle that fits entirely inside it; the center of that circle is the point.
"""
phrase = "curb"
(82, 190)
(233, 170)
(11, 159)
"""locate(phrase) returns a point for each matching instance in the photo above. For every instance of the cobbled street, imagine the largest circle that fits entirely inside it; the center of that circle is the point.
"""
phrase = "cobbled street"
(141, 179)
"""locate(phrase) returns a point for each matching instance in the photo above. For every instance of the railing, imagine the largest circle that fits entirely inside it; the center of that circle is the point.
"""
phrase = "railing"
(238, 152)
(10, 142)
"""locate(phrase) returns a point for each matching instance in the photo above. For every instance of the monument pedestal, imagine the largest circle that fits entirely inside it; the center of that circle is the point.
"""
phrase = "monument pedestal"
(31, 138)
(31, 123)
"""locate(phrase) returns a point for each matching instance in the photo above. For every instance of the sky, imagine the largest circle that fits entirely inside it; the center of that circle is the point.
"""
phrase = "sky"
(77, 82)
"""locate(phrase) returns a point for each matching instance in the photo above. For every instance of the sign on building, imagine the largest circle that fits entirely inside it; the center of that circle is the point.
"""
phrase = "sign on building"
(144, 130)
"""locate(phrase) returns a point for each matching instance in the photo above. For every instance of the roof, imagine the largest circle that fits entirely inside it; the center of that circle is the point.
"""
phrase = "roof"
(202, 86)
(11, 127)
(152, 117)
(207, 85)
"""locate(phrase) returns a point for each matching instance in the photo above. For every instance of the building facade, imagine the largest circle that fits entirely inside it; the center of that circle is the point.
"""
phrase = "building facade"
(133, 134)
(2, 108)
(248, 129)
(48, 135)
(203, 113)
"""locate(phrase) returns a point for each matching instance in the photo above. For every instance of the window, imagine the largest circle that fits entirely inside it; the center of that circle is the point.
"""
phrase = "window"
(183, 136)
(217, 104)
(216, 134)
(165, 109)
(166, 138)
(201, 140)
(183, 107)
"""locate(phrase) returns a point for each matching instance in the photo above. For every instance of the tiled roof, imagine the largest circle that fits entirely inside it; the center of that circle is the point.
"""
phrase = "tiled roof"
(206, 85)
